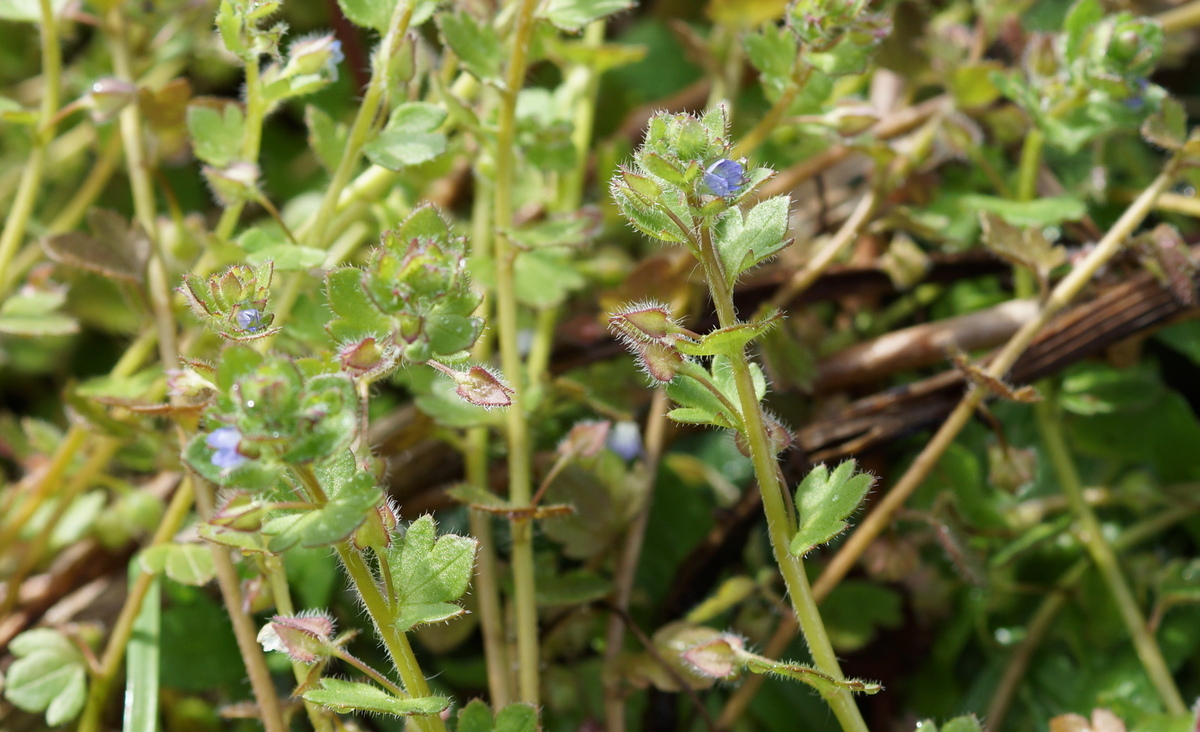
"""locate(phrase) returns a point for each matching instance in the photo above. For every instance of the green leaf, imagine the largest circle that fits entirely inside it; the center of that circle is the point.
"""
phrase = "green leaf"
(1025, 247)
(823, 683)
(730, 341)
(331, 523)
(1040, 212)
(50, 675)
(141, 677)
(1167, 127)
(430, 573)
(358, 315)
(698, 405)
(743, 244)
(34, 314)
(475, 42)
(969, 723)
(824, 501)
(187, 564)
(373, 14)
(349, 696)
(288, 257)
(410, 137)
(476, 716)
(544, 279)
(326, 137)
(216, 134)
(518, 717)
(572, 15)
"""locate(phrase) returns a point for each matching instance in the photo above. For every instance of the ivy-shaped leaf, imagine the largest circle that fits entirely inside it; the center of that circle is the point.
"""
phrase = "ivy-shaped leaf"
(573, 15)
(730, 341)
(331, 523)
(50, 675)
(187, 564)
(744, 243)
(430, 573)
(824, 502)
(410, 137)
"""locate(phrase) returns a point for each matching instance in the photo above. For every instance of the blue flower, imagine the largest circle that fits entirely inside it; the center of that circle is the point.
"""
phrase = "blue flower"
(249, 319)
(225, 441)
(625, 439)
(335, 58)
(724, 178)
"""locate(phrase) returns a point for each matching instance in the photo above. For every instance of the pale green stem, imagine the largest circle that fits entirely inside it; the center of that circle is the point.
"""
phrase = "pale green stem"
(17, 219)
(519, 448)
(1066, 291)
(118, 640)
(244, 630)
(130, 121)
(486, 586)
(378, 608)
(1092, 536)
(256, 110)
(364, 122)
(1031, 161)
(779, 526)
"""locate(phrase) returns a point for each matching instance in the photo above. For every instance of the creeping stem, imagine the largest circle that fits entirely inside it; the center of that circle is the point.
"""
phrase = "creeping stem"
(779, 526)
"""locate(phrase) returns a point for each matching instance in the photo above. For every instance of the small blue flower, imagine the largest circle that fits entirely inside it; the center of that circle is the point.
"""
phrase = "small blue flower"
(225, 441)
(625, 439)
(249, 319)
(724, 178)
(336, 57)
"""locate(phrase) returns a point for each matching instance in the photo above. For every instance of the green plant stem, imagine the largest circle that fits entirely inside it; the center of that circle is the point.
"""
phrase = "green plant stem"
(378, 608)
(1043, 617)
(256, 111)
(364, 122)
(1101, 552)
(1066, 291)
(244, 630)
(118, 640)
(277, 580)
(17, 219)
(519, 447)
(1031, 161)
(779, 526)
(130, 121)
(486, 585)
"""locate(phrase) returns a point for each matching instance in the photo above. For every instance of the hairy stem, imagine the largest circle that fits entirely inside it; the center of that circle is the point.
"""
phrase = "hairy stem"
(519, 447)
(779, 525)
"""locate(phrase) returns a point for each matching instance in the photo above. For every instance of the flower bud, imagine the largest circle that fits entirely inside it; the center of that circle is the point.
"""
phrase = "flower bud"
(306, 638)
(107, 97)
(321, 54)
(224, 441)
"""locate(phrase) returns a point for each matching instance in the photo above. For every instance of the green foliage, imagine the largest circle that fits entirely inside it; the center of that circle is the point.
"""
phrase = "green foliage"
(348, 696)
(429, 573)
(49, 675)
(824, 501)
